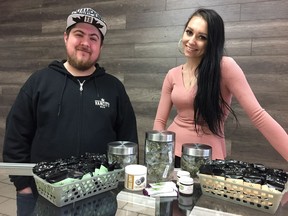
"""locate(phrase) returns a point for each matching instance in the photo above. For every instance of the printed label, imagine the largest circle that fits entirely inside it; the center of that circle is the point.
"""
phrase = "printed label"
(165, 173)
(135, 182)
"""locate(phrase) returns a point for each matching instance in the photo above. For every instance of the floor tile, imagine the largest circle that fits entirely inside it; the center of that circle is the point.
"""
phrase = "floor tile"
(2, 185)
(7, 196)
(8, 191)
(139, 209)
(134, 203)
(8, 207)
(121, 204)
(6, 180)
(3, 199)
(122, 212)
(198, 211)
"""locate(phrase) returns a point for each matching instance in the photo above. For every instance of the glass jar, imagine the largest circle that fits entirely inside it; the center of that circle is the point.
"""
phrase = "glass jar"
(193, 156)
(123, 152)
(159, 155)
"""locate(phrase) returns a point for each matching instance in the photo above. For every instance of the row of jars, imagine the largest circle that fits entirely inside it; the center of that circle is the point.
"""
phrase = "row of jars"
(159, 155)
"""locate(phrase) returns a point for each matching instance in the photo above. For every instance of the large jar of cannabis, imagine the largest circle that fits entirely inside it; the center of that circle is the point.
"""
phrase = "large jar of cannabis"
(123, 152)
(193, 156)
(159, 155)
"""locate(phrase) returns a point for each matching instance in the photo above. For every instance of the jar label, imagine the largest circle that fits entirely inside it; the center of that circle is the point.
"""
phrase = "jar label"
(165, 173)
(185, 189)
(170, 156)
(135, 182)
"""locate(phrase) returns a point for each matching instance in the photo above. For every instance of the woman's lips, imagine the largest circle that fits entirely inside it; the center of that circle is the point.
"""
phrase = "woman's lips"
(191, 49)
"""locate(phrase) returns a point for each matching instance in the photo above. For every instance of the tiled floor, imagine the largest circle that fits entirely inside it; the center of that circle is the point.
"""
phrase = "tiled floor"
(7, 197)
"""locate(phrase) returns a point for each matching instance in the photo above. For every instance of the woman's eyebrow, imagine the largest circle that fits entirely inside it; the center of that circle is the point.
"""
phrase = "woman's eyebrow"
(191, 29)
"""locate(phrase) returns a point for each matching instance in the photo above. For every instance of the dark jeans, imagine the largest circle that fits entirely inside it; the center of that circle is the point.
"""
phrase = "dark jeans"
(25, 204)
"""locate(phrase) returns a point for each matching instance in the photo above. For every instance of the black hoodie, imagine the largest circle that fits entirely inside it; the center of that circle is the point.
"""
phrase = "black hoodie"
(54, 116)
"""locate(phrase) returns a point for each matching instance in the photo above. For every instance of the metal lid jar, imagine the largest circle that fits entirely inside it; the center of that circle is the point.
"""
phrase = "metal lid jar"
(159, 155)
(193, 156)
(123, 152)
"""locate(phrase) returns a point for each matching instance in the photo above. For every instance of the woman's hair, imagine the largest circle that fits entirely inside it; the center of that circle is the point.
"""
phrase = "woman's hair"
(209, 104)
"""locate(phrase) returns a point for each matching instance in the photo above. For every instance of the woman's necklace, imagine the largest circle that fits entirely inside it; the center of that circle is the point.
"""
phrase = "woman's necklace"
(189, 79)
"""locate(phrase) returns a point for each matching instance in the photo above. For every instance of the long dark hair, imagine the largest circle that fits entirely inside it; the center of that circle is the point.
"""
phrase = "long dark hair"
(209, 105)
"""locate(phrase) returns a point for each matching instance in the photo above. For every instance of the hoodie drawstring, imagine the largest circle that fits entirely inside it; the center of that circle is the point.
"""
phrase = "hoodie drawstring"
(81, 89)
(97, 92)
(61, 96)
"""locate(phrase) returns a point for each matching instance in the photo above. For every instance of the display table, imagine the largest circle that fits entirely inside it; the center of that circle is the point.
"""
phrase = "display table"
(120, 202)
(123, 202)
(203, 205)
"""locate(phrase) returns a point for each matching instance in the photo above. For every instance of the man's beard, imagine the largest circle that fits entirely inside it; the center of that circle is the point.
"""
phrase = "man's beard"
(79, 64)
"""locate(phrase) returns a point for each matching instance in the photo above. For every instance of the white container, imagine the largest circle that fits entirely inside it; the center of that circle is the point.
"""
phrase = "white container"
(185, 203)
(135, 177)
(180, 174)
(186, 185)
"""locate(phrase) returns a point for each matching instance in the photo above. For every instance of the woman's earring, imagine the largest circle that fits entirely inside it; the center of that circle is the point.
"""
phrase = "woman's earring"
(180, 47)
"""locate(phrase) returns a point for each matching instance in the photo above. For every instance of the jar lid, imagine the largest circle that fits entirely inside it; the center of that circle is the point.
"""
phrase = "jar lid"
(186, 180)
(136, 169)
(183, 173)
(160, 136)
(122, 148)
(196, 149)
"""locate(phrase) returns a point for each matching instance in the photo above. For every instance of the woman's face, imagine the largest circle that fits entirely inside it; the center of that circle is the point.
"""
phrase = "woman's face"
(195, 37)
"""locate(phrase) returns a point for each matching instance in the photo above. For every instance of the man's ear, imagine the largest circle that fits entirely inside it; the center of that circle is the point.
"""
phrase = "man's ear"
(65, 37)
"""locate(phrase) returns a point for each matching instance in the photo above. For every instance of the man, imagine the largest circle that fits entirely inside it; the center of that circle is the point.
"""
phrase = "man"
(69, 108)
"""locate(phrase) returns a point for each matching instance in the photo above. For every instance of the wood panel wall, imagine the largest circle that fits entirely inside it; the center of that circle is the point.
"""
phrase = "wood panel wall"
(141, 46)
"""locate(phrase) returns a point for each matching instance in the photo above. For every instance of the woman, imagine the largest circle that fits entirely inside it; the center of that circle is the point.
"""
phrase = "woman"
(202, 90)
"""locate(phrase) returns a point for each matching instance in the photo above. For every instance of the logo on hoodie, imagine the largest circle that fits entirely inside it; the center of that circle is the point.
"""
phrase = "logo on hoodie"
(102, 103)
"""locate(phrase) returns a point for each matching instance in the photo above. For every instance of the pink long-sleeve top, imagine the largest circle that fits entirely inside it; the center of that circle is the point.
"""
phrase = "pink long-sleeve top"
(233, 83)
